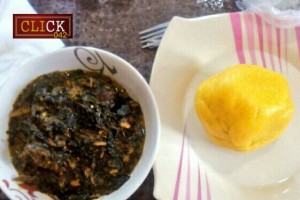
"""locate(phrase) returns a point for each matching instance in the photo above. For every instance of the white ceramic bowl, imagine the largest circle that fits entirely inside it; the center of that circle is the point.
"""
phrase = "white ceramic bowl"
(87, 58)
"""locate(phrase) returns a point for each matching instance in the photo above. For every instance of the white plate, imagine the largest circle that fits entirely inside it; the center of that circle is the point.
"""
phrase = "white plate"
(189, 165)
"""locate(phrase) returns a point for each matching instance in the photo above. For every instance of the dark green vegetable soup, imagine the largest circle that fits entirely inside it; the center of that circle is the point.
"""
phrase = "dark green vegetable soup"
(75, 135)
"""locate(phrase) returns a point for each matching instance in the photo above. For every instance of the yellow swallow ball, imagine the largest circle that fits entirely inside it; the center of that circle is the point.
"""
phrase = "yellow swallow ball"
(244, 107)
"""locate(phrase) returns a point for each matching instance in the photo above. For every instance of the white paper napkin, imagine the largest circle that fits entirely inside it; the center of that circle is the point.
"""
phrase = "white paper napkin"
(15, 51)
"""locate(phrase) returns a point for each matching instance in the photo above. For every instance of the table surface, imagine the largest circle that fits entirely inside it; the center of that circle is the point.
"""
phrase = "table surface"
(113, 25)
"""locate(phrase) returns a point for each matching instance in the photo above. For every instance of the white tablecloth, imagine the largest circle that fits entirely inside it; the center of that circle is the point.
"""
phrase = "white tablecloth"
(15, 51)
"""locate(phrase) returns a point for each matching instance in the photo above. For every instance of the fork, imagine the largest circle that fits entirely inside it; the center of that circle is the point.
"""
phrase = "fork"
(151, 37)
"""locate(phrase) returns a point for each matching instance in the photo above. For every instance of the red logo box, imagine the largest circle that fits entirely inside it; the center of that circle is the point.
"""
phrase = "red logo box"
(43, 26)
